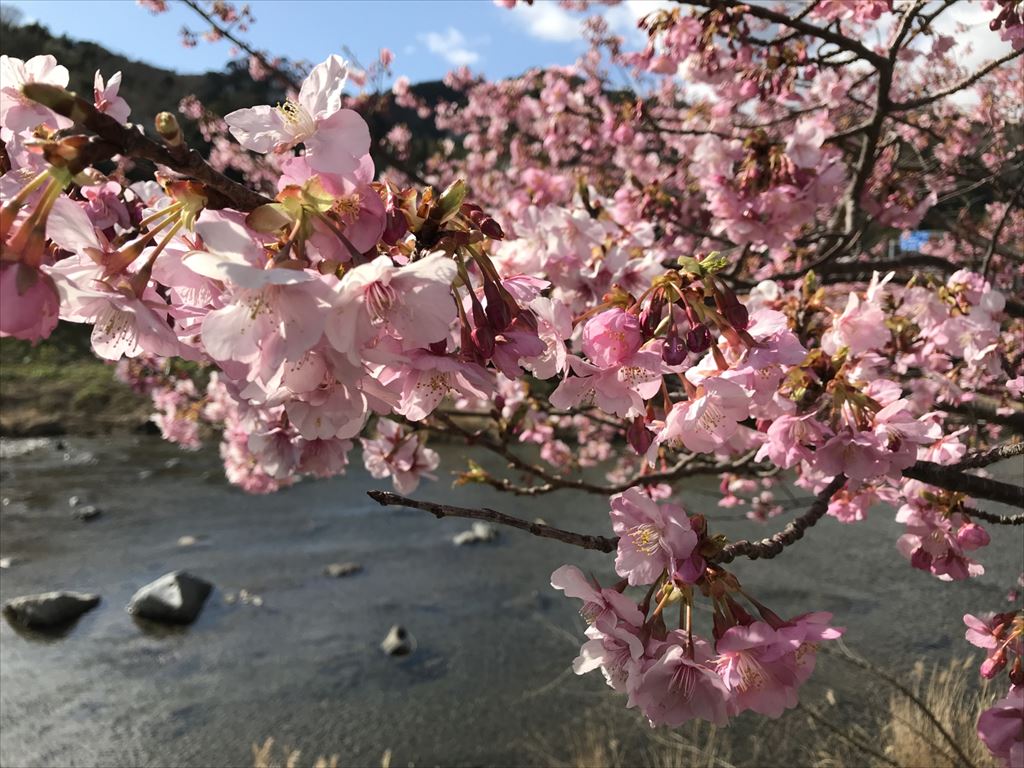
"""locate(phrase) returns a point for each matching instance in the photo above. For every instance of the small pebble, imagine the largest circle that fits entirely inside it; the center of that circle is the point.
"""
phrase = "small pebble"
(187, 541)
(338, 570)
(86, 513)
(74, 501)
(398, 642)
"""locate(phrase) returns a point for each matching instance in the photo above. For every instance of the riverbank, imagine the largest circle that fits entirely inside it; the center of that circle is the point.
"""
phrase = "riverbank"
(58, 387)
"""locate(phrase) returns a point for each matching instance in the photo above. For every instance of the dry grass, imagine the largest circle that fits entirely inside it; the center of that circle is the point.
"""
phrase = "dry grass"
(903, 735)
(266, 756)
(589, 746)
(907, 736)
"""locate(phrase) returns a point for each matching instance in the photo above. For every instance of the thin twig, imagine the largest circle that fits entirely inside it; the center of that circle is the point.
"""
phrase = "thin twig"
(600, 543)
(990, 251)
(992, 517)
(902, 106)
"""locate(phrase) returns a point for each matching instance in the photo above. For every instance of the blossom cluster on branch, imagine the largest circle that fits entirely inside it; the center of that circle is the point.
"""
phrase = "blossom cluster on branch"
(657, 282)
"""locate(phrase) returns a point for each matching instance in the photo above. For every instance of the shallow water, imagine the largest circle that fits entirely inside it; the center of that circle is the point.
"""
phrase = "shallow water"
(488, 683)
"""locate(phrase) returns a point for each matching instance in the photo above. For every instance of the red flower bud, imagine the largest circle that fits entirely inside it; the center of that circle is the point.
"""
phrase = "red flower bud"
(698, 339)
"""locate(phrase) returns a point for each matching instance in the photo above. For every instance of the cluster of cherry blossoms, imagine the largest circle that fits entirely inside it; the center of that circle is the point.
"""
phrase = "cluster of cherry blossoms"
(1001, 636)
(673, 675)
(599, 305)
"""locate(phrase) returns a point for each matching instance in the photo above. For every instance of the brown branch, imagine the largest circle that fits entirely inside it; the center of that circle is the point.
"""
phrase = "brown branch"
(688, 466)
(990, 251)
(991, 456)
(987, 408)
(951, 479)
(132, 143)
(600, 543)
(992, 517)
(967, 82)
(224, 32)
(773, 545)
(797, 24)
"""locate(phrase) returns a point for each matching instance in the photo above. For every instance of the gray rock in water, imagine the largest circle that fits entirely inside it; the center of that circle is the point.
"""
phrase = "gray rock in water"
(338, 570)
(50, 609)
(74, 501)
(398, 642)
(480, 532)
(175, 598)
(8, 562)
(187, 541)
(86, 513)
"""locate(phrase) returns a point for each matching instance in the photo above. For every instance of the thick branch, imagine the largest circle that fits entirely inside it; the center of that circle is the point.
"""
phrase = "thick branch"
(600, 543)
(951, 479)
(991, 456)
(132, 143)
(773, 545)
(988, 408)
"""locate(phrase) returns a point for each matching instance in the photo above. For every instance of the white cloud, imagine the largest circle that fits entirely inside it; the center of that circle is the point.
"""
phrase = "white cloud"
(451, 46)
(547, 20)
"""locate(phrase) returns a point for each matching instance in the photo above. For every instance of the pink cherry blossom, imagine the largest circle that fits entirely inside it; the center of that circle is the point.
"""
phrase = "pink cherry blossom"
(651, 535)
(336, 139)
(598, 604)
(400, 455)
(707, 422)
(675, 688)
(1001, 728)
(105, 96)
(612, 337)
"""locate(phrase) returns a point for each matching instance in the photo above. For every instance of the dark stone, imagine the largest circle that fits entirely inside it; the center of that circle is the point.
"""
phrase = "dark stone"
(175, 598)
(49, 609)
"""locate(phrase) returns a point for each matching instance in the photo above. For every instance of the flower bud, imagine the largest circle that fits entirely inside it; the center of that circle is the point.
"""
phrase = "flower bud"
(698, 339)
(483, 338)
(638, 436)
(994, 664)
(650, 316)
(497, 310)
(673, 351)
(167, 126)
(972, 536)
(395, 226)
(737, 316)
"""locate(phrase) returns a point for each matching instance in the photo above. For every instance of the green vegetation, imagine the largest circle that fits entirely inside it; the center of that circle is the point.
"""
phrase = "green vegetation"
(59, 386)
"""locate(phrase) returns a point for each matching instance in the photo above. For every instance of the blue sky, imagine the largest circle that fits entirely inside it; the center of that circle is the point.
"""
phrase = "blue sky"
(428, 37)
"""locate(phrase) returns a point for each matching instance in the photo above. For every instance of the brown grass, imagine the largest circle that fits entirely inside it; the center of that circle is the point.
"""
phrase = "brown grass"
(904, 734)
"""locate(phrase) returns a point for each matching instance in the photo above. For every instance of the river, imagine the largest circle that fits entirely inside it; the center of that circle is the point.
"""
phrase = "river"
(488, 684)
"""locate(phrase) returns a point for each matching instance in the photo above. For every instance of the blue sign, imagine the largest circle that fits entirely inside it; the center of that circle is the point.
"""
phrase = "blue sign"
(912, 241)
